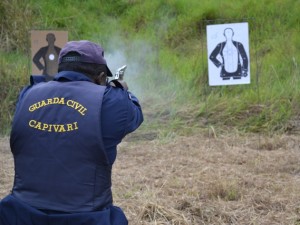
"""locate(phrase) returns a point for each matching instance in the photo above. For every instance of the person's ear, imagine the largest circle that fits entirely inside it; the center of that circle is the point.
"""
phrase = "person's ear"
(101, 79)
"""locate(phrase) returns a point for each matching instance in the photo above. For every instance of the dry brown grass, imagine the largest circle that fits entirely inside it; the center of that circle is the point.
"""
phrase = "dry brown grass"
(198, 180)
(6, 167)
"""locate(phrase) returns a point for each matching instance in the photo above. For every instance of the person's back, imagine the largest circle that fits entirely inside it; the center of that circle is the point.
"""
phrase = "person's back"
(64, 137)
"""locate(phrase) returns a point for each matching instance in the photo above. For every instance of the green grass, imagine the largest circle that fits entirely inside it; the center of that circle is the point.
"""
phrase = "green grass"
(13, 72)
(164, 43)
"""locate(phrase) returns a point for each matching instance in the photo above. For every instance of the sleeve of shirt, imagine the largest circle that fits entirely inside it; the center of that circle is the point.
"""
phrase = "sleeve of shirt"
(121, 115)
(135, 115)
(123, 111)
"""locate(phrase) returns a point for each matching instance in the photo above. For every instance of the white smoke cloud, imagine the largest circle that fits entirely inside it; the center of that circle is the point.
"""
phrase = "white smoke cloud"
(137, 55)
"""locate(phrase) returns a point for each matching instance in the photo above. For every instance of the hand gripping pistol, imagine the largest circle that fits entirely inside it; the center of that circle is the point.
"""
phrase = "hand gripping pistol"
(119, 75)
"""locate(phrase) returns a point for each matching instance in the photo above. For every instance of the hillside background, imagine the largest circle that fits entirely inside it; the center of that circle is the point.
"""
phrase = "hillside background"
(204, 155)
(163, 42)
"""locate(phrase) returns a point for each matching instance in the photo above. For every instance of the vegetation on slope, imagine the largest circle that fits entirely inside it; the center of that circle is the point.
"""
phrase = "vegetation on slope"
(164, 44)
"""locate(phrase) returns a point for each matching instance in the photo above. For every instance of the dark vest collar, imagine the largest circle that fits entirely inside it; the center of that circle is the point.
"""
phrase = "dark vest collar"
(71, 76)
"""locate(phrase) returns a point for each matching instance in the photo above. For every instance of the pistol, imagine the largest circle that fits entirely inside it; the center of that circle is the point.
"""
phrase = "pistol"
(119, 75)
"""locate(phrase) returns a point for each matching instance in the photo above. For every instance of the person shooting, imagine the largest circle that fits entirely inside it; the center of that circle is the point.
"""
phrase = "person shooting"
(64, 141)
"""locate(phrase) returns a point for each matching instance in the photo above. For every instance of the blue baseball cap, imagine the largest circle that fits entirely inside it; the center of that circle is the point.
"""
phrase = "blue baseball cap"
(89, 53)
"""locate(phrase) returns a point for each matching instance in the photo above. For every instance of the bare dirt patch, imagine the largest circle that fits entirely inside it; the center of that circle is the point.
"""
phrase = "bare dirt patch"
(200, 180)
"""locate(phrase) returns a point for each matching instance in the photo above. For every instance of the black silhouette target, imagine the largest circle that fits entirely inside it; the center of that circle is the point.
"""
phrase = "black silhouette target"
(228, 54)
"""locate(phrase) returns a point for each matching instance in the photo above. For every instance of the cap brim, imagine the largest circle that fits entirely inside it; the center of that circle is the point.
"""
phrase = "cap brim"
(109, 74)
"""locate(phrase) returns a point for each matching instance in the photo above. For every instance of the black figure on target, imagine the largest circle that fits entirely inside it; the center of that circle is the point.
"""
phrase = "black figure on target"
(49, 54)
(234, 58)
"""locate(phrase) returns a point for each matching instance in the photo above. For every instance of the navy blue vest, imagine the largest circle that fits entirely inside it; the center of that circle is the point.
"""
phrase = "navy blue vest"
(56, 140)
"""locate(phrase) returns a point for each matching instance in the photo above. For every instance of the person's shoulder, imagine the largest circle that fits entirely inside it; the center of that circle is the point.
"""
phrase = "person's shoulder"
(44, 48)
(36, 79)
(57, 48)
(115, 93)
(237, 43)
(109, 90)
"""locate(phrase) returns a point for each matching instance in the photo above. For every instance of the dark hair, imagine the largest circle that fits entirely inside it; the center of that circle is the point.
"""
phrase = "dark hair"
(89, 69)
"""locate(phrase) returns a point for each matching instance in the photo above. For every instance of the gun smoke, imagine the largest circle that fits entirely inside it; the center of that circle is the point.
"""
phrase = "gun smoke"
(143, 74)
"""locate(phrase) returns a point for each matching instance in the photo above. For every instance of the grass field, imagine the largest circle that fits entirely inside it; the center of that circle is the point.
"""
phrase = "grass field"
(164, 45)
(204, 155)
(200, 179)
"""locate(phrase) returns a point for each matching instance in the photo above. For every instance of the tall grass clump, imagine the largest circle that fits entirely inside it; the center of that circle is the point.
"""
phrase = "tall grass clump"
(15, 20)
(13, 72)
